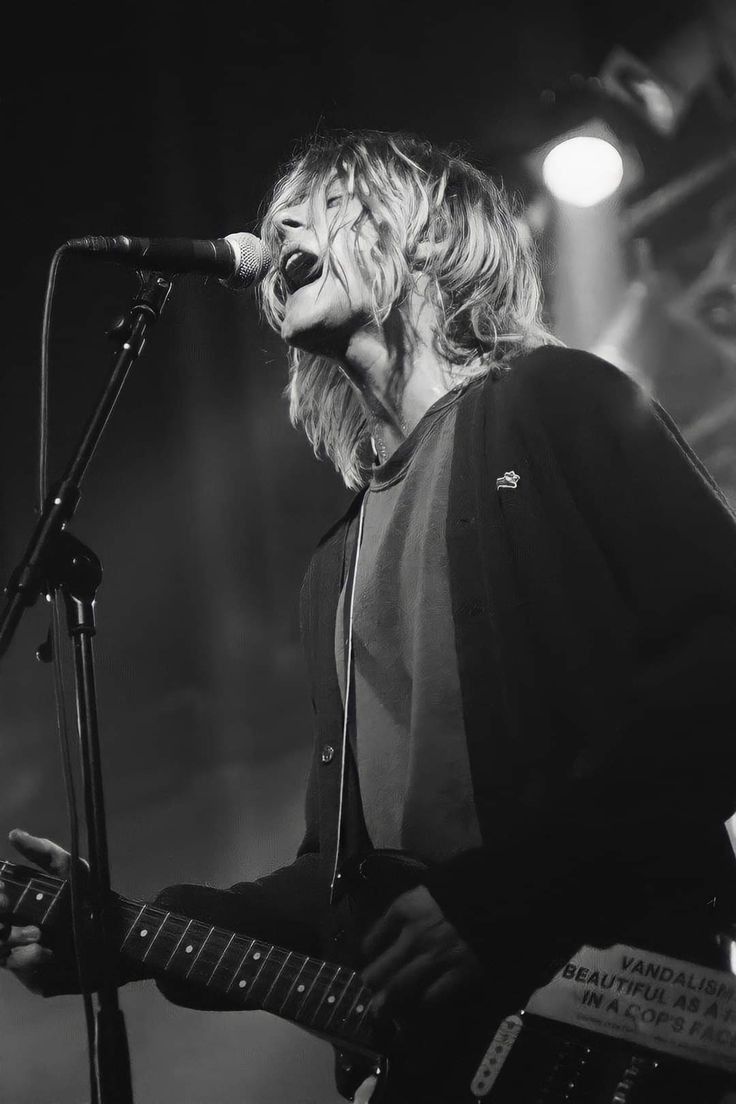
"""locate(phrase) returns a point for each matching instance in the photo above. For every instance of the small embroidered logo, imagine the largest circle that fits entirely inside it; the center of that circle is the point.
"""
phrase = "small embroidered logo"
(508, 479)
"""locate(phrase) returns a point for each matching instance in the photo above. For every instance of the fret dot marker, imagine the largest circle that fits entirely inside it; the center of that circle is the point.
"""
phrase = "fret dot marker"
(257, 955)
(189, 949)
(39, 896)
(300, 988)
(330, 1000)
(242, 984)
(359, 1008)
(143, 933)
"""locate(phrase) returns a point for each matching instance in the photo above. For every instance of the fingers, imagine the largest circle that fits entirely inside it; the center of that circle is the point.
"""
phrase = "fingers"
(448, 985)
(383, 933)
(12, 936)
(408, 984)
(414, 905)
(426, 976)
(383, 968)
(23, 955)
(43, 852)
(27, 959)
(415, 955)
(17, 937)
(364, 1092)
(30, 965)
(21, 952)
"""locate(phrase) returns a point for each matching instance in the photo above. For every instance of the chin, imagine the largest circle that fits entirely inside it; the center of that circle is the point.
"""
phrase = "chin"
(309, 338)
(317, 332)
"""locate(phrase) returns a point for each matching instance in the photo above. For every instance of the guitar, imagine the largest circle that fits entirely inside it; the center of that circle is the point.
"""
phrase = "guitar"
(564, 1049)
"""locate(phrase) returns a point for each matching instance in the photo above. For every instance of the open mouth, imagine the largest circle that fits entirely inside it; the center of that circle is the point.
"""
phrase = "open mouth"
(299, 269)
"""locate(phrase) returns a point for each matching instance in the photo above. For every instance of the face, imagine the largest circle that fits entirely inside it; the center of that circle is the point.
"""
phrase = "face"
(323, 313)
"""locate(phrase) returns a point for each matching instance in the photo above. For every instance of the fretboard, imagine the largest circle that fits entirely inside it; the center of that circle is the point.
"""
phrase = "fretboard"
(247, 973)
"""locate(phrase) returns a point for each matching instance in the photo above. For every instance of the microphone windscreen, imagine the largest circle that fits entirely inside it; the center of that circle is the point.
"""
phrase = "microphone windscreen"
(253, 260)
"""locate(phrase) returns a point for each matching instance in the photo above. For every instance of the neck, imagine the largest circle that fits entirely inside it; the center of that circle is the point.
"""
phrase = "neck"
(398, 372)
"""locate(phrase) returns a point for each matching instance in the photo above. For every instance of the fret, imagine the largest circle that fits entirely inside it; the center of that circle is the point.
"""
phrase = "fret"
(317, 994)
(361, 1000)
(257, 977)
(130, 929)
(194, 960)
(178, 944)
(292, 987)
(302, 1014)
(227, 948)
(158, 932)
(144, 931)
(39, 895)
(280, 971)
(34, 892)
(54, 901)
(361, 1021)
(305, 986)
(342, 996)
(328, 997)
(242, 983)
(16, 906)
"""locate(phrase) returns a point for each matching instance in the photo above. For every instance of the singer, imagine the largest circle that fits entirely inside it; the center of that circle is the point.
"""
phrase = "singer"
(520, 637)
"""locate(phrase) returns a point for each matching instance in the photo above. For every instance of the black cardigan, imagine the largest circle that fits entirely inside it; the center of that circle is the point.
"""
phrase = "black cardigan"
(594, 610)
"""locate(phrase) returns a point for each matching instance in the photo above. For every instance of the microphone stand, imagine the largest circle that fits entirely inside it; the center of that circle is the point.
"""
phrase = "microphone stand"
(54, 559)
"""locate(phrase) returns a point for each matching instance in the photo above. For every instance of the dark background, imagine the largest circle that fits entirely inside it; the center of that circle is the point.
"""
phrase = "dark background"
(203, 503)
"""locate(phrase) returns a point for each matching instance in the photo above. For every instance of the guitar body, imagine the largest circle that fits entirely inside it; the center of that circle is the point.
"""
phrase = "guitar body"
(664, 1034)
(474, 1052)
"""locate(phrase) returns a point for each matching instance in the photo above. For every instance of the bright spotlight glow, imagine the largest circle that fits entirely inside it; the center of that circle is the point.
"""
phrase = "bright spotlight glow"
(583, 170)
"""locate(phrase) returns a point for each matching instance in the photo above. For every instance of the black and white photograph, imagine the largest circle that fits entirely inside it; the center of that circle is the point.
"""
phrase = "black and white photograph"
(368, 553)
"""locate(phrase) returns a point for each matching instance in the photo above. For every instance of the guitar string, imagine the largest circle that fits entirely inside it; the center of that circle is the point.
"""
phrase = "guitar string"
(41, 880)
(277, 977)
(153, 914)
(193, 962)
(227, 948)
(158, 932)
(240, 966)
(303, 964)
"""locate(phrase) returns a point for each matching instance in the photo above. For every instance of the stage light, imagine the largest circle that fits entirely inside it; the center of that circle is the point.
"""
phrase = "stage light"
(583, 170)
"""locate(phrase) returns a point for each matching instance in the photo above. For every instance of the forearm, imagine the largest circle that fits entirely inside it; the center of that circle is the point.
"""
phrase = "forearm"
(288, 907)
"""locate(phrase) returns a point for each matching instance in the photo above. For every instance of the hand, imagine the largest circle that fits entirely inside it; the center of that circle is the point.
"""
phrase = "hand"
(415, 956)
(22, 949)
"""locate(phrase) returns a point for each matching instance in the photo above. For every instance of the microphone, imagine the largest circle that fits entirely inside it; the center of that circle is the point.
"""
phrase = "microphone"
(238, 261)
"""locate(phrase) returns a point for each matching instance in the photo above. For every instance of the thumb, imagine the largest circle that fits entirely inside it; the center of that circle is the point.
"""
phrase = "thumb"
(365, 1091)
(43, 852)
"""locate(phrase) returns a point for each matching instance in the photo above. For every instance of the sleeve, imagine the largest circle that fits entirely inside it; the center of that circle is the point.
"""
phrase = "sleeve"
(642, 820)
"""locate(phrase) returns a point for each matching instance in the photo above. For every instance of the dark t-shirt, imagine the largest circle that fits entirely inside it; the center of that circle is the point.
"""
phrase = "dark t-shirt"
(410, 741)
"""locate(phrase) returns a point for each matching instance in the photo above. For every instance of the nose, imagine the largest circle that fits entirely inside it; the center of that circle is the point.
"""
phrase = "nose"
(294, 217)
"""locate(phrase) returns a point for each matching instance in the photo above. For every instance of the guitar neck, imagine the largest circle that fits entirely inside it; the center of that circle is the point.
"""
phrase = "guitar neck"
(248, 973)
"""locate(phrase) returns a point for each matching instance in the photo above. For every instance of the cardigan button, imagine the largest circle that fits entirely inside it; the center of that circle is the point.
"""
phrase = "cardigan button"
(328, 753)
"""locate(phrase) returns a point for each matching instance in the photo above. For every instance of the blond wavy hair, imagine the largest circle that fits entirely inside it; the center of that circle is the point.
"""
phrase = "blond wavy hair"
(434, 214)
